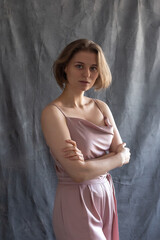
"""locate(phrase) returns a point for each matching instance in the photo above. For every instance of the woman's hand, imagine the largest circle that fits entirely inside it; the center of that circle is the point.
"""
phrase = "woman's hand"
(73, 153)
(120, 147)
(124, 152)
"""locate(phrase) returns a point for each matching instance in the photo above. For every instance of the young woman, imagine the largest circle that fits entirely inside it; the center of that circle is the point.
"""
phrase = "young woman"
(85, 144)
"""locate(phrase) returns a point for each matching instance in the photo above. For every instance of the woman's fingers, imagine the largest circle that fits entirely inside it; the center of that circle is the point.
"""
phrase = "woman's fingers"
(73, 153)
(67, 149)
(72, 142)
(127, 155)
(76, 157)
(120, 147)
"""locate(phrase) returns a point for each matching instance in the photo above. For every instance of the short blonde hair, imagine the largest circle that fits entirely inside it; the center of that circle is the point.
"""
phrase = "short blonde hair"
(104, 79)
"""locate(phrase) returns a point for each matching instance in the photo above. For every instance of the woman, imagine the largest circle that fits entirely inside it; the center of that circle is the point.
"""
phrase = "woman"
(85, 144)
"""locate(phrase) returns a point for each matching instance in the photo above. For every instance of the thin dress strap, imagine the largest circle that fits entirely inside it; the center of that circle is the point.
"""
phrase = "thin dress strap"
(105, 117)
(59, 109)
(98, 106)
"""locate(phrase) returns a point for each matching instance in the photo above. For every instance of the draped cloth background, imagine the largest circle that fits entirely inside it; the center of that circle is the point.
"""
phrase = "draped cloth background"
(32, 34)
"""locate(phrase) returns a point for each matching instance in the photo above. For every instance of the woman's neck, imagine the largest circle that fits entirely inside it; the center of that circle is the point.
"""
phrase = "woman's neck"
(71, 98)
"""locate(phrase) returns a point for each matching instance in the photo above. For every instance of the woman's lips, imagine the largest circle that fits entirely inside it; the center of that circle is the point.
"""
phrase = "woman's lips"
(85, 82)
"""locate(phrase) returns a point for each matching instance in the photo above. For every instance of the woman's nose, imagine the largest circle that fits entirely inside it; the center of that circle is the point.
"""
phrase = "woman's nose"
(86, 72)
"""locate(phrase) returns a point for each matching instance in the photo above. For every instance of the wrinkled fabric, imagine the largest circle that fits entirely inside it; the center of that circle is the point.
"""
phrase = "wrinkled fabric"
(86, 210)
(32, 35)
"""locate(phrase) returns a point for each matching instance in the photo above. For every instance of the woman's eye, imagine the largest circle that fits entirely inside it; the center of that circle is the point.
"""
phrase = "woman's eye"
(79, 66)
(93, 69)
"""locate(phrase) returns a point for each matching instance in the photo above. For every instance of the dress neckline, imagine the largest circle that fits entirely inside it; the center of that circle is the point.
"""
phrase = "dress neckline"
(107, 124)
(89, 122)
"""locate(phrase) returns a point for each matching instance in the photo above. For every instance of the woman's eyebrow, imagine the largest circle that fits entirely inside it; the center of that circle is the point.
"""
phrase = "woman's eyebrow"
(79, 62)
(94, 64)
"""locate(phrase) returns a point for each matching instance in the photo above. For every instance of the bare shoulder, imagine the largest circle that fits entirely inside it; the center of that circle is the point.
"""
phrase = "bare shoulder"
(53, 120)
(106, 111)
(54, 128)
(51, 111)
(104, 107)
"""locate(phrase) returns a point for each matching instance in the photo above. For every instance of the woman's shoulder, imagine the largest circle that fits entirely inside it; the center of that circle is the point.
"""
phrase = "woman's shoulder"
(106, 111)
(102, 105)
(51, 110)
(52, 105)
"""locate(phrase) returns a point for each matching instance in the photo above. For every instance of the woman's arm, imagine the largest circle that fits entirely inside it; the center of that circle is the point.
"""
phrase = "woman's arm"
(98, 166)
(55, 131)
(101, 165)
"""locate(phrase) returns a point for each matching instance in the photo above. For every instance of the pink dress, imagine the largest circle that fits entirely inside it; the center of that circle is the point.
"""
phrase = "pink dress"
(87, 210)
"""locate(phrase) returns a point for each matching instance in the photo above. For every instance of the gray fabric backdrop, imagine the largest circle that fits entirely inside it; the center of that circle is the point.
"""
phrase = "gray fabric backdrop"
(32, 34)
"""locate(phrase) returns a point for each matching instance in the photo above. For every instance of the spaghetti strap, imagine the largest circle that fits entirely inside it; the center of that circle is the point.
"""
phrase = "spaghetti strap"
(105, 117)
(59, 109)
(98, 106)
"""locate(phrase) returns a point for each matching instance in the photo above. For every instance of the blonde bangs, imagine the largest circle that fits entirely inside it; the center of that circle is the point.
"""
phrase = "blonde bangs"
(105, 78)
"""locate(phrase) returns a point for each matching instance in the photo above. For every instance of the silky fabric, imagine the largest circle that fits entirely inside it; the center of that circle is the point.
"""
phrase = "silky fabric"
(87, 210)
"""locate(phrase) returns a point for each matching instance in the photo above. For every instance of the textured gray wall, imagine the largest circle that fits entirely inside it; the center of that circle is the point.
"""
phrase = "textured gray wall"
(32, 33)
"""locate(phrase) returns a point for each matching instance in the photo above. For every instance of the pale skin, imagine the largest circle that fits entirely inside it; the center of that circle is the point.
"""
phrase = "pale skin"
(82, 72)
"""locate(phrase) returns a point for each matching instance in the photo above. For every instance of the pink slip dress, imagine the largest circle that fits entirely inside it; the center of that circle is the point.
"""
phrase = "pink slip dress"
(87, 210)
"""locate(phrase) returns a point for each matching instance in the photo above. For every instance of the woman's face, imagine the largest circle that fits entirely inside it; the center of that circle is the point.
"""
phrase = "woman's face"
(82, 70)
